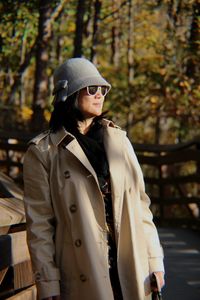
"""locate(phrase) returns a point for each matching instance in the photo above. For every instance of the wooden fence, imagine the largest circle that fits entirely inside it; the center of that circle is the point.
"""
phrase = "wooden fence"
(12, 148)
(172, 175)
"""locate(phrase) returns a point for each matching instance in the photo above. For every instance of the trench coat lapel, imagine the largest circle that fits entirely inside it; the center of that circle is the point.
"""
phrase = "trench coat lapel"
(76, 150)
(73, 146)
(113, 142)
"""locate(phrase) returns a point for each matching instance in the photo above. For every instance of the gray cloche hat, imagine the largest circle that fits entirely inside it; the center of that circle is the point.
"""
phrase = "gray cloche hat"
(74, 75)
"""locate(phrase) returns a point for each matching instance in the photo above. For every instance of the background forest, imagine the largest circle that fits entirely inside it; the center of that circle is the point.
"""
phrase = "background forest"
(147, 49)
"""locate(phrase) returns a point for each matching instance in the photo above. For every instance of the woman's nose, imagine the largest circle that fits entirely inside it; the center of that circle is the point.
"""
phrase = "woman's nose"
(98, 94)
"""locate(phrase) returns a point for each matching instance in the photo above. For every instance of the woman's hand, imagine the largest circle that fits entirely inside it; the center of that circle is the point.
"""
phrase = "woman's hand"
(53, 298)
(160, 282)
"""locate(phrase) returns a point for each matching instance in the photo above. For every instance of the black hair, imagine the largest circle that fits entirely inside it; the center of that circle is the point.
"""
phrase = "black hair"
(66, 115)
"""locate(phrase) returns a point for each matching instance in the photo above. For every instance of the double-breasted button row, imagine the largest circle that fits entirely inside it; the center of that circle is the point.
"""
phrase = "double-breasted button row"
(37, 276)
(78, 243)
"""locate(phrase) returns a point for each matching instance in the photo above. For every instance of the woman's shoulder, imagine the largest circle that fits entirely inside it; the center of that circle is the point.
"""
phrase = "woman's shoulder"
(49, 139)
(38, 138)
(40, 141)
(37, 149)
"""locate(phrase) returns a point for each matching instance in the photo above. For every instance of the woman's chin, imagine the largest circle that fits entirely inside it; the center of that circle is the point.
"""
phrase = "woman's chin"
(94, 114)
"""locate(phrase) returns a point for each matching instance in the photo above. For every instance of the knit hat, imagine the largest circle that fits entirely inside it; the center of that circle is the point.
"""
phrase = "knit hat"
(74, 75)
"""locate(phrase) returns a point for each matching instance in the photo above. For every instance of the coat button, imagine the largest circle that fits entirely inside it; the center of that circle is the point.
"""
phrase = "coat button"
(73, 208)
(67, 174)
(83, 278)
(37, 276)
(78, 243)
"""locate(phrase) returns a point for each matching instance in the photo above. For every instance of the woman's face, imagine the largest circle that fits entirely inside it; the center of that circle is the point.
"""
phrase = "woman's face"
(90, 105)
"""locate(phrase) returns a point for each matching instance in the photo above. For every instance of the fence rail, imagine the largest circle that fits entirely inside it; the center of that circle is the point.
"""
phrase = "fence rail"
(173, 189)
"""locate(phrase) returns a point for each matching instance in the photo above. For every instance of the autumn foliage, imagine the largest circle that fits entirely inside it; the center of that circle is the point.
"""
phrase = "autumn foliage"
(148, 50)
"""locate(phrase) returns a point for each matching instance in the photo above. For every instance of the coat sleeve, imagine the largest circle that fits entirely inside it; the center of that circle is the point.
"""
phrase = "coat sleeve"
(154, 249)
(40, 221)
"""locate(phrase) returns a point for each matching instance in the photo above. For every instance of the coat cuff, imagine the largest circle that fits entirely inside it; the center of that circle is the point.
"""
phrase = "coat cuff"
(47, 289)
(47, 281)
(156, 264)
(47, 273)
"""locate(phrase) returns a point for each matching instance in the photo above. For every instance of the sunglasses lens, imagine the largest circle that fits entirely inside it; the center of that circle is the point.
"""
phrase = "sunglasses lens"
(104, 90)
(92, 90)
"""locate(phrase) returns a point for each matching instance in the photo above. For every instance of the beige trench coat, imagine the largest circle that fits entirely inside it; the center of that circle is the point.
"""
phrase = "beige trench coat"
(66, 219)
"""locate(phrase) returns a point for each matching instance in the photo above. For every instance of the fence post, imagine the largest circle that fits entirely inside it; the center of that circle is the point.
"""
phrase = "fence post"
(161, 194)
(198, 170)
(8, 162)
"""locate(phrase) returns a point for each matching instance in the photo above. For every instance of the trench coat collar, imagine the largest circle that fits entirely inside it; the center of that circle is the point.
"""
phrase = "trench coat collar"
(60, 135)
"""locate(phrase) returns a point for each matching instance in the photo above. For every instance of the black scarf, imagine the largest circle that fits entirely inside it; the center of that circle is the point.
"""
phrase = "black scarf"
(92, 145)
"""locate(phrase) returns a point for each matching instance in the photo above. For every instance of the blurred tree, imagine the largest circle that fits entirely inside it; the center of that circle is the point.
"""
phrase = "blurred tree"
(40, 90)
(193, 67)
(97, 11)
(78, 39)
(148, 50)
(48, 13)
(115, 41)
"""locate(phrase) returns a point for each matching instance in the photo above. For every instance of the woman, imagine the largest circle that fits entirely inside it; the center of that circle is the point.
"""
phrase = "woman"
(90, 230)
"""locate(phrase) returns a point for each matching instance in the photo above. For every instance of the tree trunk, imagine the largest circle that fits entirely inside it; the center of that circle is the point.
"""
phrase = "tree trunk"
(193, 63)
(41, 79)
(47, 15)
(78, 40)
(17, 79)
(130, 62)
(157, 127)
(97, 10)
(23, 52)
(115, 44)
(130, 59)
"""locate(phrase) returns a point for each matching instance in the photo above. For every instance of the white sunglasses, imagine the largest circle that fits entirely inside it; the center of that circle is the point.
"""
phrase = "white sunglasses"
(93, 90)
